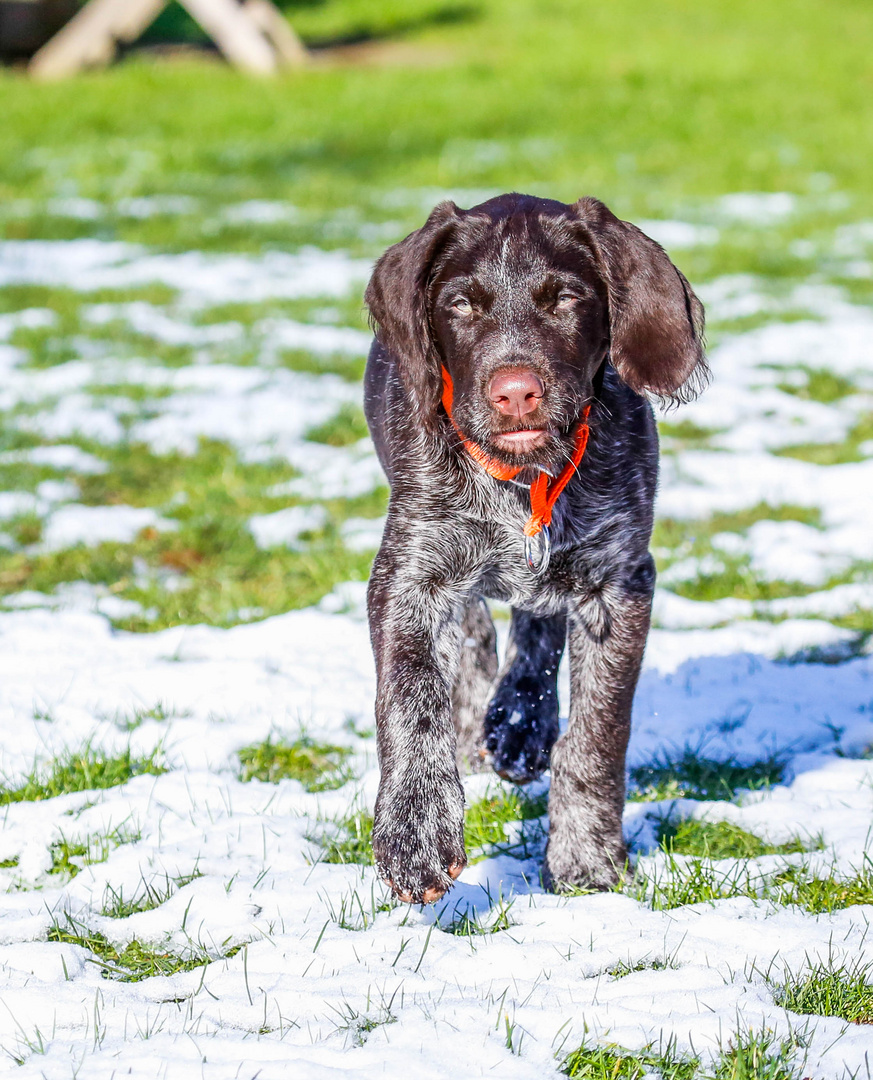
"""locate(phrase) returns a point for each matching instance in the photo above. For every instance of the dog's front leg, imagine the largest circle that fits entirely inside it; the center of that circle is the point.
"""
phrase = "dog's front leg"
(607, 632)
(418, 834)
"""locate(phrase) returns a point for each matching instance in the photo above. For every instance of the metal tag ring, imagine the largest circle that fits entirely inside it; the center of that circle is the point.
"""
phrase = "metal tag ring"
(542, 564)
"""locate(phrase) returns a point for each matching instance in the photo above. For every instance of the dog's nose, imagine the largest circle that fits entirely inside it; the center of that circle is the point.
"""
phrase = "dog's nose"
(515, 393)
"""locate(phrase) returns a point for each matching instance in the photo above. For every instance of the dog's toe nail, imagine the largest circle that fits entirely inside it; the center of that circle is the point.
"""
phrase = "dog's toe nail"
(403, 895)
(431, 894)
(455, 869)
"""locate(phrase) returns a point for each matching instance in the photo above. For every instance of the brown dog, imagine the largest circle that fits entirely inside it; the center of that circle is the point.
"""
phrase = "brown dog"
(506, 393)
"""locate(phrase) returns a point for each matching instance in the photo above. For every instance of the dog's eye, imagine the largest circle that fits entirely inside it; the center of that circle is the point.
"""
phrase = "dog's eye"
(462, 305)
(566, 300)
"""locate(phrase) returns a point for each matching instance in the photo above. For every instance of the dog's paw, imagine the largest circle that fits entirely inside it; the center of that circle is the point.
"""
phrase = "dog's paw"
(520, 729)
(418, 844)
(587, 866)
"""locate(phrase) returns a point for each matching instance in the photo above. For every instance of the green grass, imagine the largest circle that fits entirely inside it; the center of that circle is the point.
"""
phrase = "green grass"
(676, 540)
(223, 575)
(672, 532)
(732, 576)
(24, 529)
(629, 102)
(821, 385)
(625, 968)
(318, 766)
(613, 1062)
(151, 896)
(352, 912)
(133, 963)
(349, 368)
(750, 1055)
(504, 823)
(347, 839)
(358, 1025)
(827, 989)
(685, 434)
(159, 713)
(346, 427)
(755, 1055)
(338, 310)
(214, 475)
(821, 896)
(220, 572)
(82, 770)
(472, 924)
(724, 840)
(679, 880)
(69, 857)
(841, 453)
(62, 339)
(692, 775)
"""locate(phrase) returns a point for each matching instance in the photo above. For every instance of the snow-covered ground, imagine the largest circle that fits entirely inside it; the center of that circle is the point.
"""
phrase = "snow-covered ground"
(331, 979)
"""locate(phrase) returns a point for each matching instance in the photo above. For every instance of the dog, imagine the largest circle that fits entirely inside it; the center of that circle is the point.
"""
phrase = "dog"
(517, 345)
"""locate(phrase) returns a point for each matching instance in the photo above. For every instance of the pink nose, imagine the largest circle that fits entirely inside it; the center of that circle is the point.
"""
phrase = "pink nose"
(515, 393)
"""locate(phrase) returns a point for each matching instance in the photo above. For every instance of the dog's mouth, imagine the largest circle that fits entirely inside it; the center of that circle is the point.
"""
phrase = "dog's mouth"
(531, 449)
(522, 440)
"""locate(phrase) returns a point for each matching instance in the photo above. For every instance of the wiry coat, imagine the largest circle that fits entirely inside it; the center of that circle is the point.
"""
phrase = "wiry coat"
(596, 314)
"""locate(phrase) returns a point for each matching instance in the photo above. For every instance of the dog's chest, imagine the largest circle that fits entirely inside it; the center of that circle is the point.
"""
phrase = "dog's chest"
(506, 575)
(580, 560)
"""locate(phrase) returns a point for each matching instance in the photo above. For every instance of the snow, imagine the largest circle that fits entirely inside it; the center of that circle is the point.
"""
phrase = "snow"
(300, 973)
(77, 596)
(672, 612)
(88, 264)
(285, 526)
(347, 598)
(152, 206)
(260, 212)
(679, 234)
(363, 534)
(71, 525)
(757, 207)
(77, 208)
(57, 457)
(13, 503)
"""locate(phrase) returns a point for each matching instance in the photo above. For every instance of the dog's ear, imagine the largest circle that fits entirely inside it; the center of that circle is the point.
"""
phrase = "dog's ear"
(398, 303)
(656, 321)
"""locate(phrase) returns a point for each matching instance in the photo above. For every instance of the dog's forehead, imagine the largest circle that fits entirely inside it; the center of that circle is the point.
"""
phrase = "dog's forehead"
(518, 250)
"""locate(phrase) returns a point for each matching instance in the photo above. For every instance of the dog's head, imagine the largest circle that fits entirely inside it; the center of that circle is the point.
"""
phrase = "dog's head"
(522, 299)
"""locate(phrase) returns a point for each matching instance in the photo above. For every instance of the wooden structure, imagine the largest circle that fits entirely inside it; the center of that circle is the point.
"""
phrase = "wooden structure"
(26, 25)
(252, 34)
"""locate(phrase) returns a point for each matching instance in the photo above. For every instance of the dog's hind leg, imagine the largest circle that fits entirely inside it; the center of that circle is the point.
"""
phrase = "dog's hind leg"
(521, 722)
(477, 669)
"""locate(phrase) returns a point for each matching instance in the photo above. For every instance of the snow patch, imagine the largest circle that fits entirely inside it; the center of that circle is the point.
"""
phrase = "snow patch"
(284, 527)
(91, 525)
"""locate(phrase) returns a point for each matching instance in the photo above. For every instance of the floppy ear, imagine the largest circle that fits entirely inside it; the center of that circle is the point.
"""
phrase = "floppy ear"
(397, 299)
(656, 322)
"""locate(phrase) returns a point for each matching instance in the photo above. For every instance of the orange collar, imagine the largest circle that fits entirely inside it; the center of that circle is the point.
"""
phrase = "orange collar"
(543, 495)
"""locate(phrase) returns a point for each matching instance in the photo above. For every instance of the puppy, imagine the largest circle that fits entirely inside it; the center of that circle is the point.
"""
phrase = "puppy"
(516, 346)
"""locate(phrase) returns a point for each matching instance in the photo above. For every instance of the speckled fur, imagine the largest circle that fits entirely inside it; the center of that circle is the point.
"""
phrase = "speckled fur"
(454, 534)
